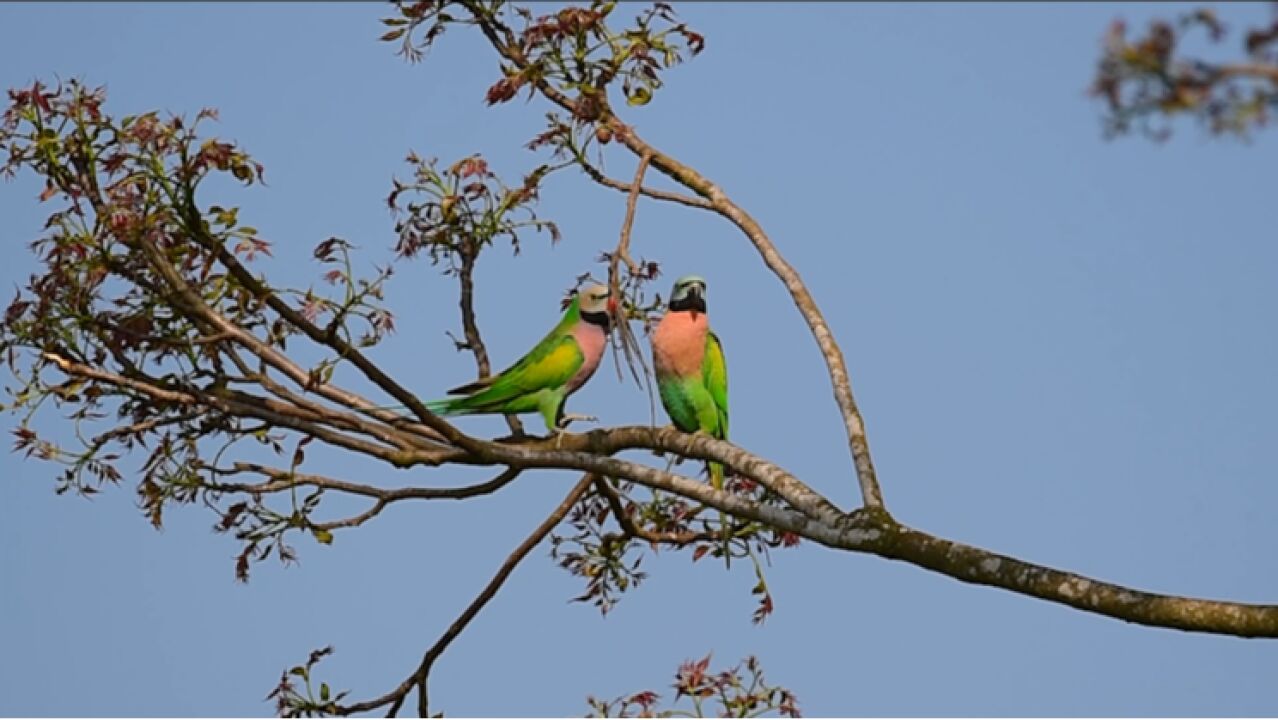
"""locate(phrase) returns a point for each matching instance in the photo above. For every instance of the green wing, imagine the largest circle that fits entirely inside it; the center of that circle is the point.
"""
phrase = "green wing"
(548, 366)
(562, 328)
(714, 370)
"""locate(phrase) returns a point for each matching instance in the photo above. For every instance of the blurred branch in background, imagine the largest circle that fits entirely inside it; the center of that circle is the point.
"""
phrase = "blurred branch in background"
(1151, 79)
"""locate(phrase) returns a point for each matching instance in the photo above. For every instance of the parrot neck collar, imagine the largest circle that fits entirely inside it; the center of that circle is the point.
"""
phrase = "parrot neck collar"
(694, 303)
(602, 319)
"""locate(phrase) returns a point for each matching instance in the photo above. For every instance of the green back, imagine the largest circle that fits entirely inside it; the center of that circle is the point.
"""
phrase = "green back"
(714, 373)
(548, 366)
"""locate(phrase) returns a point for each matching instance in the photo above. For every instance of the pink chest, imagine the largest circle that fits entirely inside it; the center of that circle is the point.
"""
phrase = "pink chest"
(591, 339)
(679, 342)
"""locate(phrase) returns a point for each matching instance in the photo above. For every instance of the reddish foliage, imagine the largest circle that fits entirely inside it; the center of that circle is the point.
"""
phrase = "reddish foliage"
(736, 693)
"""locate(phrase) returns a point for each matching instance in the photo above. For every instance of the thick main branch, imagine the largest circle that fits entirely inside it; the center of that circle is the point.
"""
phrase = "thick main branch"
(809, 515)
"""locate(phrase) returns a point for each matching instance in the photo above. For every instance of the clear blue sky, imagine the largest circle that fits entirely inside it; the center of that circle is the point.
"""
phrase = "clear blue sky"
(1064, 349)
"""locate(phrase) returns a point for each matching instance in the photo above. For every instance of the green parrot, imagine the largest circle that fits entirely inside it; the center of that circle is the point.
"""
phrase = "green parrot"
(692, 376)
(542, 380)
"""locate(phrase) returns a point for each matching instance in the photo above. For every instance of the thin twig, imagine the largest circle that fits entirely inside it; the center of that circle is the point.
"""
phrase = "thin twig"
(484, 488)
(140, 427)
(622, 252)
(402, 435)
(243, 404)
(632, 529)
(474, 342)
(190, 303)
(194, 226)
(626, 340)
(281, 480)
(421, 675)
(597, 175)
(1262, 71)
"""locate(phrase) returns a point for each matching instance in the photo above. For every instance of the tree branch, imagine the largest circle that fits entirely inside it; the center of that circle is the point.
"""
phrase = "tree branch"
(281, 480)
(243, 404)
(195, 227)
(631, 529)
(871, 530)
(625, 338)
(597, 175)
(982, 567)
(814, 517)
(474, 342)
(190, 301)
(1262, 71)
(622, 252)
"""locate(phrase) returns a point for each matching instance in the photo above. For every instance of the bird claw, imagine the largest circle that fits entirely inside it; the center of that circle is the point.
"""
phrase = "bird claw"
(558, 433)
(561, 428)
(568, 419)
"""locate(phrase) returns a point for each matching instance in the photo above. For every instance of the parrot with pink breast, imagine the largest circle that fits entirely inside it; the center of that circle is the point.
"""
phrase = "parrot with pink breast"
(555, 368)
(692, 376)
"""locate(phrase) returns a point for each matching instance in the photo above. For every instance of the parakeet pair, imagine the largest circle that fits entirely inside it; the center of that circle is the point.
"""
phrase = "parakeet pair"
(692, 376)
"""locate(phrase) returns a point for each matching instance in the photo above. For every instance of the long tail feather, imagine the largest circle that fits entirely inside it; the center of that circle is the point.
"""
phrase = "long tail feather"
(716, 481)
(444, 407)
(447, 406)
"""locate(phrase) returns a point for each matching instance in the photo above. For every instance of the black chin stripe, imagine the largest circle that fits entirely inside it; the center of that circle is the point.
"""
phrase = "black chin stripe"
(602, 319)
(692, 302)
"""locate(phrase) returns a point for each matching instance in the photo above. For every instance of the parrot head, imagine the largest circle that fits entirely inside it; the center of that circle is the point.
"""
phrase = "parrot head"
(597, 305)
(689, 293)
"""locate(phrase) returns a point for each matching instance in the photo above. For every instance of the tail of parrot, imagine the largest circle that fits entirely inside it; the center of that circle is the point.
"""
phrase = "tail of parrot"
(447, 406)
(716, 481)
